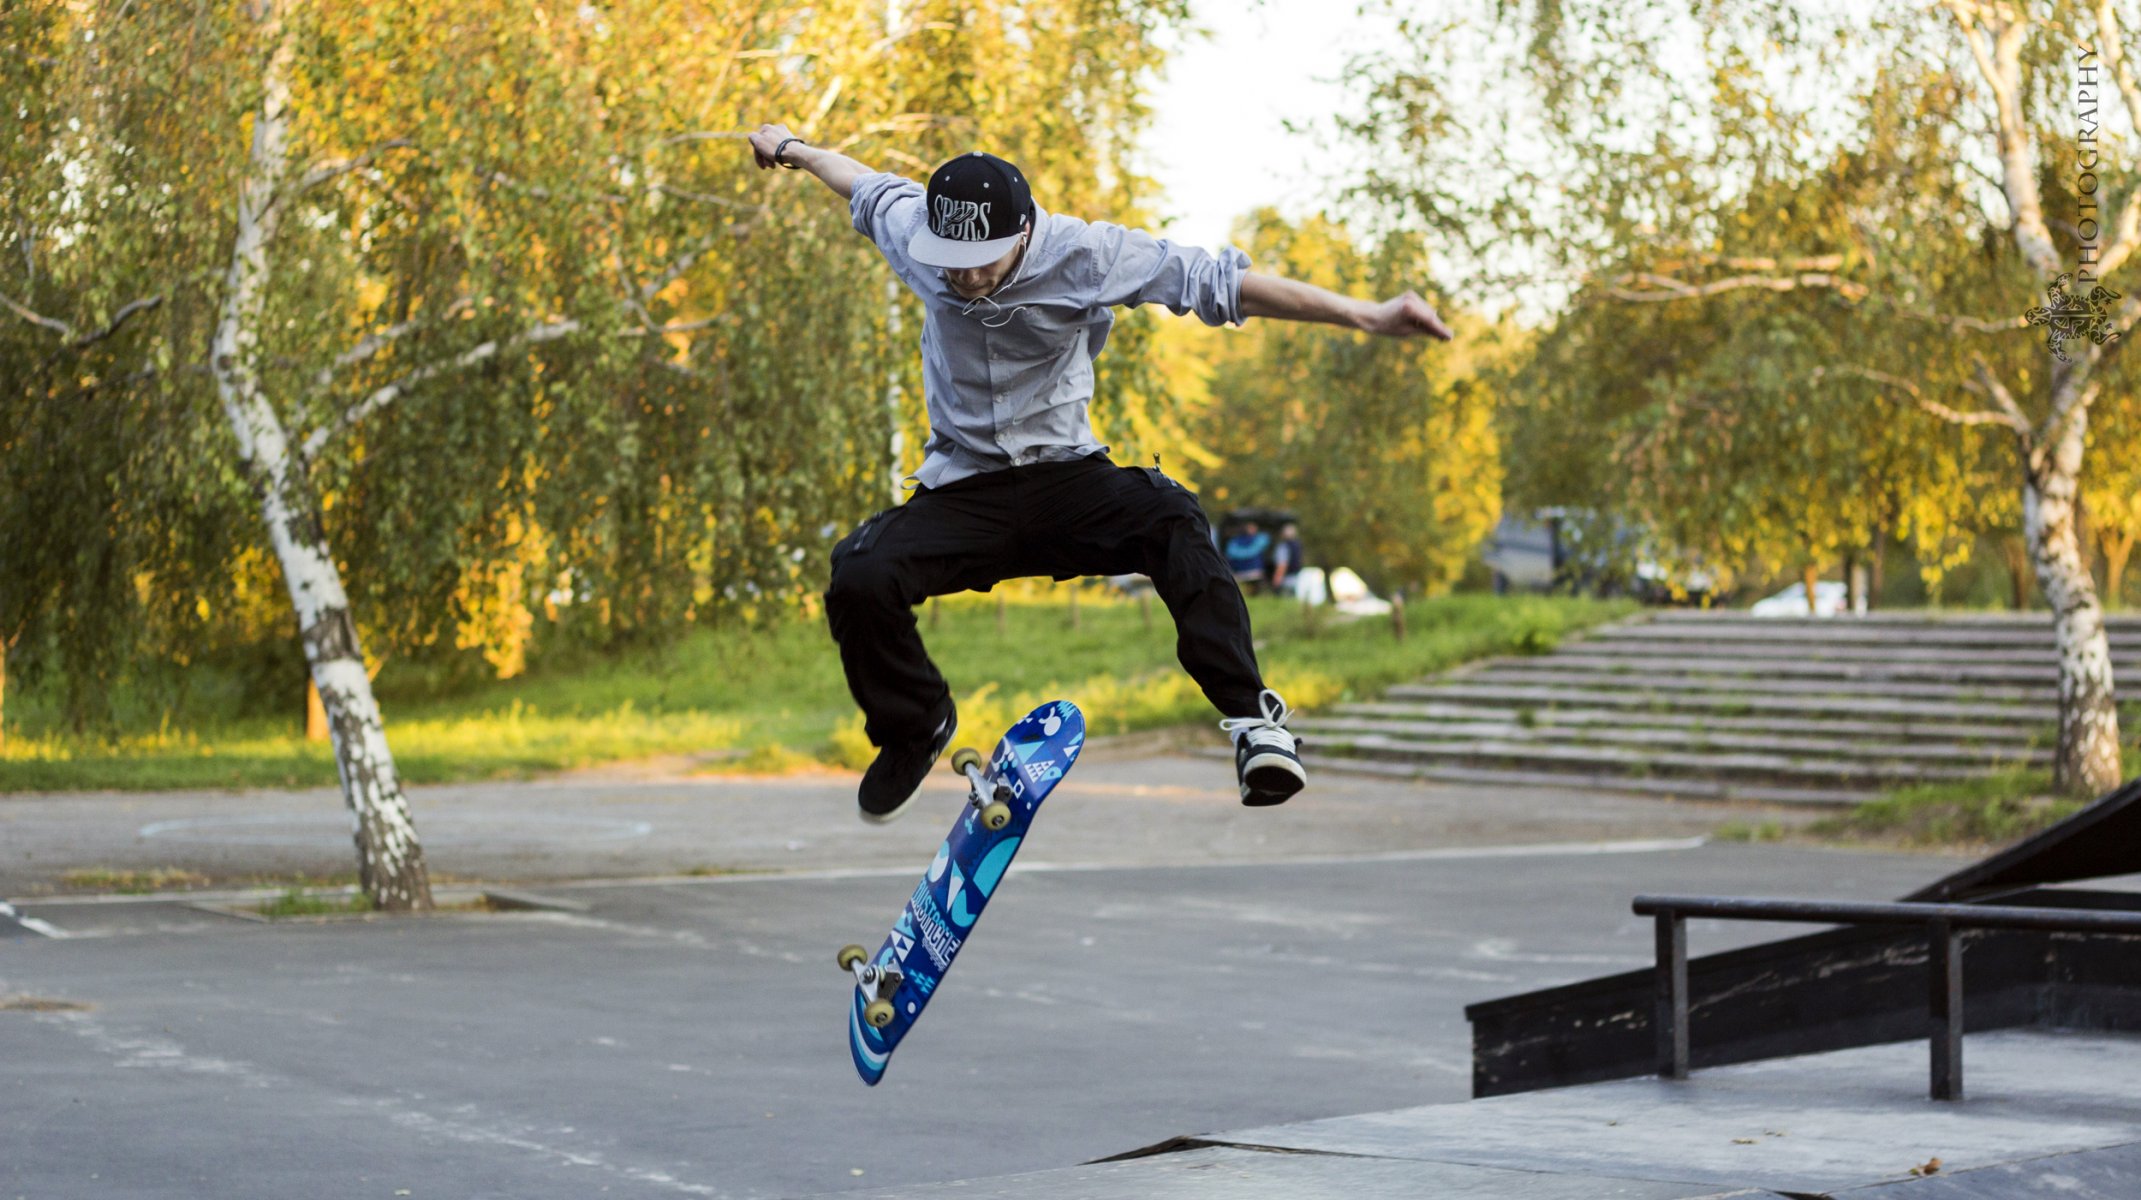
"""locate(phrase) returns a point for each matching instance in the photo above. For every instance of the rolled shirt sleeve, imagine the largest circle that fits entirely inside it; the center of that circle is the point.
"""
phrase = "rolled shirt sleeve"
(882, 205)
(1131, 267)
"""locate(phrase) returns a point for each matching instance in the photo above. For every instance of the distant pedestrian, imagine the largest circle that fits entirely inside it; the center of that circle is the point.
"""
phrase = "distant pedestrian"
(1286, 560)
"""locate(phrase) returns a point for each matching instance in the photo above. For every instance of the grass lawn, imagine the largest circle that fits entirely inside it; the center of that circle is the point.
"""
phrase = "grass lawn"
(1989, 811)
(774, 699)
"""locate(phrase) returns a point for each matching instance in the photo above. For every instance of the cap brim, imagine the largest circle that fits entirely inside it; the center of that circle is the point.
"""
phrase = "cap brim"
(933, 251)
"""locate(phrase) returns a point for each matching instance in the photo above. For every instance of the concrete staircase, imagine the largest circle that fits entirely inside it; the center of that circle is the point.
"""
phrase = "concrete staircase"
(1725, 706)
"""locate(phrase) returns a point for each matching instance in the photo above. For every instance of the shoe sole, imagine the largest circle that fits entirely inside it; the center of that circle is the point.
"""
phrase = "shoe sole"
(895, 814)
(1271, 779)
(904, 805)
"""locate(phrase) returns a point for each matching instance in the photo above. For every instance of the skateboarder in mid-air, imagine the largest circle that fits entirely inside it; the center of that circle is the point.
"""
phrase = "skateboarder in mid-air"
(1012, 483)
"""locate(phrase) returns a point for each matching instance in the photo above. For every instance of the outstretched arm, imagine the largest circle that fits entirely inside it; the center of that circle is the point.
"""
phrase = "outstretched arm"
(1291, 300)
(837, 170)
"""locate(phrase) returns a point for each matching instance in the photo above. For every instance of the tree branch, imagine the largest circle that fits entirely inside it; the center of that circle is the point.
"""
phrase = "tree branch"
(2000, 62)
(119, 318)
(332, 168)
(373, 343)
(1819, 262)
(84, 341)
(1917, 395)
(383, 396)
(1665, 287)
(1959, 323)
(680, 327)
(1989, 385)
(59, 327)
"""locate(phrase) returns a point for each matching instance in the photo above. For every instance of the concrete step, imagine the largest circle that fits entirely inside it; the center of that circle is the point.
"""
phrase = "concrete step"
(1742, 766)
(1493, 778)
(2127, 621)
(1576, 719)
(1546, 671)
(2029, 716)
(1840, 633)
(1682, 740)
(2038, 675)
(1654, 650)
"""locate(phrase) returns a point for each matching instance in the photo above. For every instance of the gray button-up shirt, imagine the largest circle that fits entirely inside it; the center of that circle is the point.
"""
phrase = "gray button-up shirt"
(1008, 378)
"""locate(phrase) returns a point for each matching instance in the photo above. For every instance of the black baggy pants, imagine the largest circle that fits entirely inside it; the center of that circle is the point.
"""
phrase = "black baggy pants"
(1063, 519)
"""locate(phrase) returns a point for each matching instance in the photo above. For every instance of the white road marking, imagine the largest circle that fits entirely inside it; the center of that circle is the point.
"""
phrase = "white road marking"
(37, 925)
(331, 829)
(1439, 854)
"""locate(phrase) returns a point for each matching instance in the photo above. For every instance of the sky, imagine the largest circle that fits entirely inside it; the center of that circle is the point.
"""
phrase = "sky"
(1218, 144)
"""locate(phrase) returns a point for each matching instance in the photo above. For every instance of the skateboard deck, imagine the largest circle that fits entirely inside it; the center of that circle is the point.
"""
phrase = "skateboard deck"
(940, 915)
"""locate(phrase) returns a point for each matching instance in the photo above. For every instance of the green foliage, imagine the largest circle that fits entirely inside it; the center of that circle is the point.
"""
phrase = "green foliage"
(1991, 810)
(1386, 449)
(1765, 241)
(296, 902)
(735, 698)
(464, 174)
(132, 882)
(1749, 831)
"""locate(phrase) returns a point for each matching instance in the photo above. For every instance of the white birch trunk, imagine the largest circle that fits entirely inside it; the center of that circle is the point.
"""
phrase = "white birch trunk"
(390, 861)
(2088, 757)
(2087, 762)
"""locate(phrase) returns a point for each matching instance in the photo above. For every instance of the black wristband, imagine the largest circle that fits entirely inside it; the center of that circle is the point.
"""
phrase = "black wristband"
(778, 150)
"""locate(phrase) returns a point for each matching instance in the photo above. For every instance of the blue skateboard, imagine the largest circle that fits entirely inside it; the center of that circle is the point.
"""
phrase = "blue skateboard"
(1003, 794)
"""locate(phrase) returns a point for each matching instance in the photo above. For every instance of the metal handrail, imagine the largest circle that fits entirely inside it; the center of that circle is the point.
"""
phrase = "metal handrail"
(1944, 924)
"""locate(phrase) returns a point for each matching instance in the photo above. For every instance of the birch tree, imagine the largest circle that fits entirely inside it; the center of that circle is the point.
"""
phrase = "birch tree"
(1656, 124)
(488, 303)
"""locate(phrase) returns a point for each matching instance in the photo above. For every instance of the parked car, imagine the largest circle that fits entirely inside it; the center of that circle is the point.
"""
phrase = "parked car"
(1584, 553)
(1525, 555)
(1830, 598)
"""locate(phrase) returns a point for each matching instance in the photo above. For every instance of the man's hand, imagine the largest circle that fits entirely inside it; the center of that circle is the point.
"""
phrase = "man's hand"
(765, 141)
(1405, 316)
(836, 170)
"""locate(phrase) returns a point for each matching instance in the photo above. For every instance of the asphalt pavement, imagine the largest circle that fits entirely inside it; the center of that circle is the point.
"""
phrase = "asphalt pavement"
(1161, 962)
(1124, 805)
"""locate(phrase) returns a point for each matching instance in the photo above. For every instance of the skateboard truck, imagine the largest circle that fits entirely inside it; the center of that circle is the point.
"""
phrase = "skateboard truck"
(877, 984)
(996, 810)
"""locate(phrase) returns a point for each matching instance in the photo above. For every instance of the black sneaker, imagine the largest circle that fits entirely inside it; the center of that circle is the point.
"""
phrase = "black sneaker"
(895, 778)
(1267, 758)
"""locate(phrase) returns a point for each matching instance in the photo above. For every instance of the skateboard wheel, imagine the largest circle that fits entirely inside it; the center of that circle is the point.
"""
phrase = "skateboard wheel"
(995, 815)
(878, 1013)
(964, 757)
(852, 956)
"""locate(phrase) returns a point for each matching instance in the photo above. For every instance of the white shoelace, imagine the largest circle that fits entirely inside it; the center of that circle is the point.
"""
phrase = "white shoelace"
(1265, 730)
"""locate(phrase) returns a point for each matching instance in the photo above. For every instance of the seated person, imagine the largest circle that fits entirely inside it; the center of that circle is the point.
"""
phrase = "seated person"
(1245, 553)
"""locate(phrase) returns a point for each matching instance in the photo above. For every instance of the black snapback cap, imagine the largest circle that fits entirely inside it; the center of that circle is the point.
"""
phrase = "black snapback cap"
(978, 206)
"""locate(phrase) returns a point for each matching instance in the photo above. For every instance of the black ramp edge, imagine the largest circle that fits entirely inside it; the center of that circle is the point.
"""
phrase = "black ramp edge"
(2101, 840)
(1173, 1145)
(1228, 1173)
(1178, 1145)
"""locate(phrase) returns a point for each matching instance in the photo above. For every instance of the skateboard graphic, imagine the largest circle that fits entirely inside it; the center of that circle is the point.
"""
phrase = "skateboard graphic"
(1004, 792)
